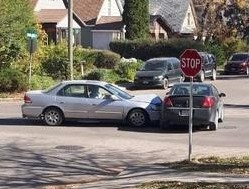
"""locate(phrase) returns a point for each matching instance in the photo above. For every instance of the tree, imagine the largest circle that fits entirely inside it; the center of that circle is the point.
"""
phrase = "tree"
(221, 19)
(136, 19)
(16, 17)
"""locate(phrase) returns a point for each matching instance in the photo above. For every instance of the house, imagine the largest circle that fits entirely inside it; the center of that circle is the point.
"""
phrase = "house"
(53, 16)
(102, 21)
(179, 14)
(171, 18)
(98, 22)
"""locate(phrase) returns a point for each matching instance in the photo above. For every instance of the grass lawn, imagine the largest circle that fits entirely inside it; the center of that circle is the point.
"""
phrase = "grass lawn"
(232, 165)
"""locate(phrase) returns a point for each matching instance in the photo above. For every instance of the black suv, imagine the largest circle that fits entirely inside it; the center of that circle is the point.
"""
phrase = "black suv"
(158, 72)
(208, 68)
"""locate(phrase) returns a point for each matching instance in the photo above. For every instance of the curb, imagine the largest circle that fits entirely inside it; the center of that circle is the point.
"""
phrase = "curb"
(230, 77)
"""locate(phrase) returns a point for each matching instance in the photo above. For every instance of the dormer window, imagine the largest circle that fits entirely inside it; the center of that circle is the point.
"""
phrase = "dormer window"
(109, 7)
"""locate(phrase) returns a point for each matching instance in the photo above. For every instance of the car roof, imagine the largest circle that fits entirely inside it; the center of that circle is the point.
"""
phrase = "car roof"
(194, 83)
(162, 58)
(93, 82)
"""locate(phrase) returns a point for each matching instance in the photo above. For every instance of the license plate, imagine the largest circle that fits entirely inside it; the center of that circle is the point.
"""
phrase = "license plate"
(145, 82)
(184, 113)
(233, 69)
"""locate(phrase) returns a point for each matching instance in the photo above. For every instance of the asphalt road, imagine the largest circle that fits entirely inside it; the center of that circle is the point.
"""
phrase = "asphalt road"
(35, 155)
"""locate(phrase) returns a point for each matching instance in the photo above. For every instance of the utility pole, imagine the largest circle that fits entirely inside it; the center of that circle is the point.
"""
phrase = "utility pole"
(70, 36)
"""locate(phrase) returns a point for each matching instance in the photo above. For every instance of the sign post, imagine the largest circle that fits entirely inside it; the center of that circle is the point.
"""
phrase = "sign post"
(191, 64)
(32, 45)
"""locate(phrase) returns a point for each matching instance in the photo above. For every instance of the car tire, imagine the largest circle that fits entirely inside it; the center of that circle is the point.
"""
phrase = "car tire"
(137, 118)
(214, 125)
(214, 73)
(165, 83)
(53, 117)
(182, 78)
(202, 76)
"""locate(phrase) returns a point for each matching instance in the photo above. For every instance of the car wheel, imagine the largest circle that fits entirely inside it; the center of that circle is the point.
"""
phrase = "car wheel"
(214, 125)
(214, 73)
(182, 78)
(137, 118)
(53, 117)
(202, 76)
(165, 83)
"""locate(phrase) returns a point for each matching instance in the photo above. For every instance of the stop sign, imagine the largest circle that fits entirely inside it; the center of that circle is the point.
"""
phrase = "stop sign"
(191, 62)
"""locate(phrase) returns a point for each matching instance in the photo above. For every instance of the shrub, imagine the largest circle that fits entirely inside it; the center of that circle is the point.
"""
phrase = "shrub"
(41, 82)
(12, 81)
(107, 75)
(55, 62)
(127, 68)
(106, 59)
(146, 49)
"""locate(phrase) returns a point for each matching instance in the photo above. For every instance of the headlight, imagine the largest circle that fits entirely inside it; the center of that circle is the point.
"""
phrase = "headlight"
(160, 77)
(155, 107)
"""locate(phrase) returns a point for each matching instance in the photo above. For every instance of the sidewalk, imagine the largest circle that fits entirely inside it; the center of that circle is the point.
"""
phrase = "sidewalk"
(133, 176)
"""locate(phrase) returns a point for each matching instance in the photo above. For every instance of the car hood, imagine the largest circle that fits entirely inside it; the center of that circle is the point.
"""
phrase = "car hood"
(235, 62)
(148, 98)
(149, 73)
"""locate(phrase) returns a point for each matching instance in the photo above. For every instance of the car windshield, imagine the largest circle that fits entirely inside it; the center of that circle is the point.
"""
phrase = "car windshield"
(239, 57)
(117, 91)
(202, 90)
(154, 65)
(48, 90)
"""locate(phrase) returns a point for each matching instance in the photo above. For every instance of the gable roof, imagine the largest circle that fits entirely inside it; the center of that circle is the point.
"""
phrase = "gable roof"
(173, 11)
(86, 10)
(51, 15)
(109, 23)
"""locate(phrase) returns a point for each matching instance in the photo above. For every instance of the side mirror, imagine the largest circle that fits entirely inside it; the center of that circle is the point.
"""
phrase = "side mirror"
(222, 95)
(111, 97)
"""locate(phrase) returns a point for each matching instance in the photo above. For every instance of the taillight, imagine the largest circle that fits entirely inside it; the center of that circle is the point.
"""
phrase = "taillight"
(207, 102)
(27, 99)
(167, 102)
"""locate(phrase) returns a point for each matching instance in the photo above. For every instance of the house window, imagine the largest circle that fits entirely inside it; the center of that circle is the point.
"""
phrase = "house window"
(109, 7)
(161, 36)
(188, 18)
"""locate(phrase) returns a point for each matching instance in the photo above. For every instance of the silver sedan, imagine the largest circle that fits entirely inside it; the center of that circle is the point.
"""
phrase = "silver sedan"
(90, 100)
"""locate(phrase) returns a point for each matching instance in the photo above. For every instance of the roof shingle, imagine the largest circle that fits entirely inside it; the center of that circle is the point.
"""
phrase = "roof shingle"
(51, 15)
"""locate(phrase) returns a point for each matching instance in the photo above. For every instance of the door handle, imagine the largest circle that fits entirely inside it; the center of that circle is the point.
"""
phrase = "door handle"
(61, 102)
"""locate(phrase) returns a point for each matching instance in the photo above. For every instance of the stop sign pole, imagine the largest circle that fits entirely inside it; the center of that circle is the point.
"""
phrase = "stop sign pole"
(191, 64)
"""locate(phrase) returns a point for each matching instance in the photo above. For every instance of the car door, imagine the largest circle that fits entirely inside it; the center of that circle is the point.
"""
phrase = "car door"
(170, 71)
(218, 100)
(73, 101)
(178, 72)
(102, 107)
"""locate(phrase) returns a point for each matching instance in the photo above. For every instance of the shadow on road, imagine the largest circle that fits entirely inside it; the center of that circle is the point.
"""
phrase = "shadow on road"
(236, 106)
(119, 126)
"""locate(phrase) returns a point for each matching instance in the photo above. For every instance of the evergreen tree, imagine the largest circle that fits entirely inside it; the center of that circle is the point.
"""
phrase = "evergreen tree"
(16, 17)
(136, 19)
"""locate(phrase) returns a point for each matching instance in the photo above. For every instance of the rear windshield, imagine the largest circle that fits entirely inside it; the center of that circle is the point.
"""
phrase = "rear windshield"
(154, 65)
(238, 57)
(202, 90)
(48, 90)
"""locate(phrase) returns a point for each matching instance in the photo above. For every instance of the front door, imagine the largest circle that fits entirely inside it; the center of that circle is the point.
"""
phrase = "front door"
(102, 107)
